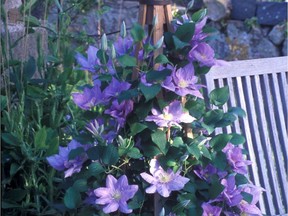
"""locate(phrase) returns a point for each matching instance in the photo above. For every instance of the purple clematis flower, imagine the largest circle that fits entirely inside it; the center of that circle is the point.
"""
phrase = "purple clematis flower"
(202, 53)
(89, 98)
(115, 88)
(172, 115)
(198, 33)
(91, 61)
(61, 161)
(251, 208)
(120, 111)
(235, 159)
(123, 45)
(164, 182)
(183, 82)
(231, 194)
(207, 172)
(115, 195)
(209, 210)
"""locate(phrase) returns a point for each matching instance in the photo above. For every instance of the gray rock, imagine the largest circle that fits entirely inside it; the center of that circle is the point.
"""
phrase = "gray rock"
(284, 48)
(220, 46)
(218, 9)
(277, 35)
(264, 49)
(271, 13)
(244, 9)
(236, 30)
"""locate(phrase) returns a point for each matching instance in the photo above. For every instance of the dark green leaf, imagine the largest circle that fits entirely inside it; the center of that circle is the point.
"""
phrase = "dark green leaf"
(110, 155)
(197, 16)
(213, 116)
(159, 138)
(194, 150)
(53, 145)
(220, 141)
(94, 169)
(215, 189)
(153, 76)
(178, 43)
(149, 92)
(75, 152)
(14, 168)
(136, 128)
(161, 59)
(80, 185)
(241, 179)
(72, 198)
(205, 152)
(40, 139)
(178, 141)
(127, 95)
(16, 195)
(94, 152)
(3, 102)
(8, 204)
(209, 128)
(226, 120)
(237, 139)
(185, 32)
(137, 33)
(237, 111)
(220, 160)
(10, 139)
(247, 197)
(102, 56)
(127, 61)
(29, 68)
(219, 96)
(32, 21)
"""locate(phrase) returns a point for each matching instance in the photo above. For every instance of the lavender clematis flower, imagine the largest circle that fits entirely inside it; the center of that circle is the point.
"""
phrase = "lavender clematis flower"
(202, 53)
(172, 115)
(183, 82)
(115, 195)
(89, 98)
(209, 210)
(198, 33)
(235, 159)
(115, 88)
(231, 194)
(91, 61)
(61, 161)
(120, 111)
(123, 45)
(164, 182)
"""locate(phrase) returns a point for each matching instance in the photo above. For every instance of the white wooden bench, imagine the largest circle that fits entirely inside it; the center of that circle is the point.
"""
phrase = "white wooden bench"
(260, 87)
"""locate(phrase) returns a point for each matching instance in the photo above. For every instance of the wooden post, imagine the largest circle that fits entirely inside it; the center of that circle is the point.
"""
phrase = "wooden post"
(147, 11)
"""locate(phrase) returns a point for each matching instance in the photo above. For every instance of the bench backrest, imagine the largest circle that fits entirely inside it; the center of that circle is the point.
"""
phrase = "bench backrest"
(260, 87)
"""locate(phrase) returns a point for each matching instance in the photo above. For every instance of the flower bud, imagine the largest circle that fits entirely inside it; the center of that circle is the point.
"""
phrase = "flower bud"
(190, 4)
(113, 52)
(123, 30)
(159, 43)
(104, 42)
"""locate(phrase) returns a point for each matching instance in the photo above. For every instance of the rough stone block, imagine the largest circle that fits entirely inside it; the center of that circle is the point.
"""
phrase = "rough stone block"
(271, 13)
(277, 35)
(244, 9)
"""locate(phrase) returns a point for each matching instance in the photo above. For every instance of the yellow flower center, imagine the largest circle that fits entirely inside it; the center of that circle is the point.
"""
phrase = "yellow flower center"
(183, 84)
(164, 177)
(167, 116)
(117, 195)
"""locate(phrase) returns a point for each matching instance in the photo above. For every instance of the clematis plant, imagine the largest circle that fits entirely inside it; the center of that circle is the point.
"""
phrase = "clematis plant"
(144, 141)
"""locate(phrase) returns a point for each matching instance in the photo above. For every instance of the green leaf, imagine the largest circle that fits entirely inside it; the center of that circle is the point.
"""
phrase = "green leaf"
(220, 141)
(237, 139)
(40, 139)
(29, 68)
(194, 150)
(213, 116)
(127, 95)
(75, 152)
(101, 54)
(16, 194)
(32, 21)
(10, 139)
(94, 152)
(110, 155)
(219, 96)
(136, 128)
(137, 33)
(205, 152)
(177, 142)
(241, 179)
(134, 153)
(209, 128)
(247, 197)
(185, 32)
(178, 43)
(153, 76)
(220, 160)
(53, 146)
(94, 169)
(161, 59)
(159, 138)
(149, 92)
(199, 15)
(28, 5)
(3, 102)
(226, 120)
(72, 198)
(80, 185)
(14, 169)
(8, 204)
(237, 111)
(215, 189)
(127, 61)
